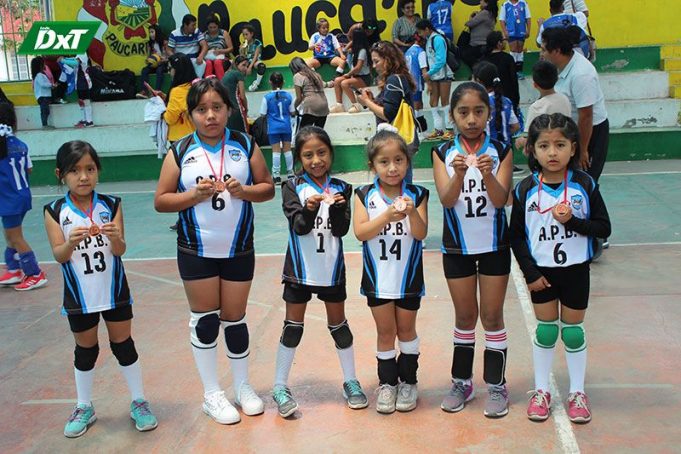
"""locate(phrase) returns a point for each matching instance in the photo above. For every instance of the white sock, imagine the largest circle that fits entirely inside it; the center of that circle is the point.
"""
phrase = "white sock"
(543, 362)
(576, 363)
(438, 123)
(410, 347)
(449, 124)
(133, 376)
(521, 56)
(207, 363)
(84, 381)
(239, 371)
(87, 111)
(284, 362)
(514, 55)
(258, 79)
(289, 161)
(276, 164)
(388, 354)
(347, 362)
(444, 114)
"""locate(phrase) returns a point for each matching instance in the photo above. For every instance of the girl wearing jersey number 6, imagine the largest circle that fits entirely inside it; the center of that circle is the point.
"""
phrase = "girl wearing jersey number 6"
(211, 178)
(473, 177)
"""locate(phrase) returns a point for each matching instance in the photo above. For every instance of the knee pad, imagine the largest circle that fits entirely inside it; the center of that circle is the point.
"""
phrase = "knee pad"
(573, 337)
(125, 352)
(407, 366)
(546, 334)
(342, 335)
(260, 68)
(84, 358)
(236, 338)
(291, 334)
(494, 368)
(204, 328)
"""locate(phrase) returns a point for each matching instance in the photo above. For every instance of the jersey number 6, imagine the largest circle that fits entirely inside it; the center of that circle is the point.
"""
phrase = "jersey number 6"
(217, 202)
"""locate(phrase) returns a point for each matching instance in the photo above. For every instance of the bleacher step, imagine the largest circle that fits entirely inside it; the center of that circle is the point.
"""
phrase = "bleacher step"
(671, 64)
(670, 51)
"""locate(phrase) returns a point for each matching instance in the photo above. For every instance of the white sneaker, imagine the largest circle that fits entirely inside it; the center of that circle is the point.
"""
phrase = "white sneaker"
(249, 401)
(254, 86)
(218, 407)
(407, 396)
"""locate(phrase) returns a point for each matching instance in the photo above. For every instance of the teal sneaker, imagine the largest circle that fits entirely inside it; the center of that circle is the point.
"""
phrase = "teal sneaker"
(286, 405)
(355, 397)
(142, 415)
(77, 424)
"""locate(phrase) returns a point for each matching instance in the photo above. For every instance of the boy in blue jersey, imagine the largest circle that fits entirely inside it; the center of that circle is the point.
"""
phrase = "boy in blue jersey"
(440, 15)
(278, 107)
(514, 17)
(417, 63)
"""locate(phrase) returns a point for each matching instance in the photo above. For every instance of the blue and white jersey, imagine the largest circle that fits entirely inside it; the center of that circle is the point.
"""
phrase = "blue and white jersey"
(324, 46)
(15, 193)
(515, 16)
(314, 256)
(440, 15)
(473, 225)
(416, 60)
(393, 260)
(221, 226)
(278, 106)
(508, 118)
(94, 278)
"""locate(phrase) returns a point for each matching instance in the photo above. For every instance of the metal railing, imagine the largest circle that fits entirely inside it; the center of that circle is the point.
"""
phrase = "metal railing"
(16, 19)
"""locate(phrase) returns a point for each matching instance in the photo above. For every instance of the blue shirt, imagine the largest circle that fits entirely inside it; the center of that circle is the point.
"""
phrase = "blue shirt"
(415, 57)
(515, 17)
(440, 15)
(190, 45)
(15, 194)
(508, 118)
(279, 106)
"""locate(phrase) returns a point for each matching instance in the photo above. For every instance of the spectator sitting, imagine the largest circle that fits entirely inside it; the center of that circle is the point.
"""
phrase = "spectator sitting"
(219, 48)
(190, 42)
(357, 77)
(156, 60)
(370, 27)
(251, 48)
(404, 27)
(176, 115)
(324, 47)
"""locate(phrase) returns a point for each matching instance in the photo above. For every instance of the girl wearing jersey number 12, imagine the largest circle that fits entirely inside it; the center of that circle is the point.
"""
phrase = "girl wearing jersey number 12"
(211, 178)
(558, 213)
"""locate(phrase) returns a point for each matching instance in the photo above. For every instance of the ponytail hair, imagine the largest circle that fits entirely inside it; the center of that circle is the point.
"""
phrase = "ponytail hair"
(277, 81)
(487, 74)
(8, 123)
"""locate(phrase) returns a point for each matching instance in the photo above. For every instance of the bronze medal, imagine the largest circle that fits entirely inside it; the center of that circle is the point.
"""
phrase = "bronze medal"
(220, 186)
(328, 198)
(472, 160)
(562, 209)
(400, 204)
(93, 230)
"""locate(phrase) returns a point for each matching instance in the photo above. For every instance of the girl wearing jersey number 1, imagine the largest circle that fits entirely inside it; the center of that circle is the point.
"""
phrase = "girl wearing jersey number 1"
(318, 212)
(391, 220)
(85, 229)
(473, 177)
(211, 178)
(558, 213)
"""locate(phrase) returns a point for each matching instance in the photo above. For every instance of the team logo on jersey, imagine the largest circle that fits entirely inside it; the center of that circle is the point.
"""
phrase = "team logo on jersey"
(105, 217)
(495, 161)
(372, 204)
(66, 221)
(533, 207)
(576, 202)
(190, 160)
(235, 155)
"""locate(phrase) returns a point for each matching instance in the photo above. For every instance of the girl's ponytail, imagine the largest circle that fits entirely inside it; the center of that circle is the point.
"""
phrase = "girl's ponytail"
(8, 123)
(498, 106)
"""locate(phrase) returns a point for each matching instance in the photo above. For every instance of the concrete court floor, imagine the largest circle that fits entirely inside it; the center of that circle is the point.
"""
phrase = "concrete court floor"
(632, 378)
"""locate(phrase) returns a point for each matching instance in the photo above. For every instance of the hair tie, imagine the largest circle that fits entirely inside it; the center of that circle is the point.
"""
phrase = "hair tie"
(496, 80)
(6, 131)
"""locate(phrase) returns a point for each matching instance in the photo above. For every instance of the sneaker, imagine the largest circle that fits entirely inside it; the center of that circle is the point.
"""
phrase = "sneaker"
(80, 124)
(290, 176)
(606, 244)
(387, 396)
(330, 83)
(521, 76)
(435, 135)
(286, 405)
(60, 101)
(254, 86)
(89, 124)
(447, 135)
(175, 226)
(355, 108)
(517, 169)
(277, 180)
(79, 421)
(354, 396)
(142, 415)
(578, 408)
(49, 127)
(11, 277)
(497, 402)
(460, 393)
(539, 406)
(249, 401)
(337, 108)
(141, 95)
(406, 397)
(218, 407)
(32, 282)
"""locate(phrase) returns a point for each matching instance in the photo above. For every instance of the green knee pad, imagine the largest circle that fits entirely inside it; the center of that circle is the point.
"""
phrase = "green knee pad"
(546, 334)
(573, 337)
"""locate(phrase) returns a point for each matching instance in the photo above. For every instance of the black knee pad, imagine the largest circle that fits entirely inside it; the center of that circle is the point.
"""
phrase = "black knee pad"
(495, 367)
(407, 365)
(125, 352)
(388, 373)
(236, 338)
(342, 335)
(84, 358)
(260, 68)
(205, 328)
(462, 361)
(422, 123)
(291, 334)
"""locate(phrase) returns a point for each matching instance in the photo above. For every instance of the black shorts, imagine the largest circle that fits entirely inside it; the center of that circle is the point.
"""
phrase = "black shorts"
(324, 60)
(410, 304)
(569, 285)
(83, 94)
(83, 322)
(496, 263)
(301, 294)
(193, 267)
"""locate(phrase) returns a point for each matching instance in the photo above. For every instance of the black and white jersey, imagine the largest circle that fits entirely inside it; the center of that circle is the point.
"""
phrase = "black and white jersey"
(541, 241)
(473, 225)
(315, 246)
(94, 278)
(221, 226)
(393, 260)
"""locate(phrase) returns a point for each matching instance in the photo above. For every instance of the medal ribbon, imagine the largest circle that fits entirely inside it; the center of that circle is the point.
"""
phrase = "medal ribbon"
(324, 187)
(385, 198)
(541, 183)
(87, 213)
(469, 150)
(222, 159)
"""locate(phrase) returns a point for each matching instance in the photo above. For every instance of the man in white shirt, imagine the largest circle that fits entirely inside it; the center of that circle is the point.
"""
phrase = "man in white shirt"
(575, 6)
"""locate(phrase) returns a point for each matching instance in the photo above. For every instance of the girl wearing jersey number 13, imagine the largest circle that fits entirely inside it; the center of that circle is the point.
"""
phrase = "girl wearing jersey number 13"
(557, 215)
(211, 178)
(391, 220)
(473, 177)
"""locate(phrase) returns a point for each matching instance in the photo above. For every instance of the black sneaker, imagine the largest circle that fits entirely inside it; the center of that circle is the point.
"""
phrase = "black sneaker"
(174, 226)
(277, 180)
(517, 169)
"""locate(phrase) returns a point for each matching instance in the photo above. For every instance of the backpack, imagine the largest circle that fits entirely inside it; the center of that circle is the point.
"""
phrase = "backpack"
(577, 34)
(452, 60)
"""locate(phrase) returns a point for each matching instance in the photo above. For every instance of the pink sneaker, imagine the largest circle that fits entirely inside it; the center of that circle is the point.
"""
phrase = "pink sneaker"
(32, 282)
(539, 406)
(578, 408)
(11, 277)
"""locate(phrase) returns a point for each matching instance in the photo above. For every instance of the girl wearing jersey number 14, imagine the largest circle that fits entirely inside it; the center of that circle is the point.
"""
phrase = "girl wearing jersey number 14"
(211, 178)
(557, 215)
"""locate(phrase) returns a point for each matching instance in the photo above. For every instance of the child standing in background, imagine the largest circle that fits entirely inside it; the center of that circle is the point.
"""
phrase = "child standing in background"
(83, 86)
(42, 89)
(515, 21)
(278, 107)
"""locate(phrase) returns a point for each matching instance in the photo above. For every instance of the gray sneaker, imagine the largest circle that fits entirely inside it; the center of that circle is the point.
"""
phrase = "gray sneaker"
(355, 397)
(460, 393)
(497, 402)
(286, 405)
(387, 395)
(406, 397)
